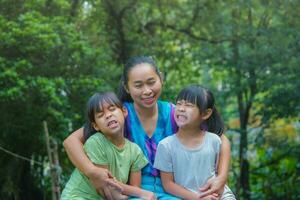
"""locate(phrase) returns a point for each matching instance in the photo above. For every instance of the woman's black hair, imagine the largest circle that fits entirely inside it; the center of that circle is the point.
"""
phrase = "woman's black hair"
(204, 99)
(123, 95)
(95, 105)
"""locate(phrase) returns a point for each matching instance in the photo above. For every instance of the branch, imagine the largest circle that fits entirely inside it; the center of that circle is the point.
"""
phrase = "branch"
(187, 30)
(189, 33)
(195, 15)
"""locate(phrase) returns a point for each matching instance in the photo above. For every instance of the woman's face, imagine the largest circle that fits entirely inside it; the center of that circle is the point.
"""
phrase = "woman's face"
(144, 85)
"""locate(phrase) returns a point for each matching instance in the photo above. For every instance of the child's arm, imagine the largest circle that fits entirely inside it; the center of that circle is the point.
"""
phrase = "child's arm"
(171, 187)
(216, 185)
(100, 178)
(135, 175)
(134, 188)
(135, 178)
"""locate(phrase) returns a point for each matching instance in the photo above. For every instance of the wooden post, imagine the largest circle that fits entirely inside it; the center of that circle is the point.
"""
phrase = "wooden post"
(53, 171)
(56, 164)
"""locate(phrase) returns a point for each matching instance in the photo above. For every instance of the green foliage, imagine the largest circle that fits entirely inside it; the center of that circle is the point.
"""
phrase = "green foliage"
(55, 54)
(47, 71)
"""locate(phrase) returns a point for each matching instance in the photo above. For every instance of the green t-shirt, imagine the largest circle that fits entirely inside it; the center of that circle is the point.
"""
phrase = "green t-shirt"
(120, 161)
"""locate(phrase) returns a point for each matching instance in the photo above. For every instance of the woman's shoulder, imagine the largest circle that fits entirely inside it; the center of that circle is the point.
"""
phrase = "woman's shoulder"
(164, 103)
(127, 104)
(164, 107)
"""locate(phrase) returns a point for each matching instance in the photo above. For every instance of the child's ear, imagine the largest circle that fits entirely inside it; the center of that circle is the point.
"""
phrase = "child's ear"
(95, 126)
(207, 114)
(125, 112)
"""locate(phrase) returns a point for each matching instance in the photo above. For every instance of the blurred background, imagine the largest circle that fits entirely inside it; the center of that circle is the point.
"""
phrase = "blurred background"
(54, 54)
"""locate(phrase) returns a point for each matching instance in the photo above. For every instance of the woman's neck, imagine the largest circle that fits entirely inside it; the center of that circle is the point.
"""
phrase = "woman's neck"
(146, 112)
(148, 118)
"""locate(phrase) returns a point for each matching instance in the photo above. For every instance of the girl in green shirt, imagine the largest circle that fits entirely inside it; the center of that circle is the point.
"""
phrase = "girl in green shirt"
(109, 149)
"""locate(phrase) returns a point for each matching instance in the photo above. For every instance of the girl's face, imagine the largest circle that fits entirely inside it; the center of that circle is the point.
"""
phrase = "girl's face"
(144, 85)
(110, 120)
(187, 114)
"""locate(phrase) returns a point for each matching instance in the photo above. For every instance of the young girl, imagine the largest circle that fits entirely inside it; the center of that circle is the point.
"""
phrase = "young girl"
(149, 121)
(189, 158)
(108, 149)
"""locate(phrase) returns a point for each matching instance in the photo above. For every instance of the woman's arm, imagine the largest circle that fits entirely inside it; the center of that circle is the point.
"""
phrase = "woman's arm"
(216, 184)
(224, 160)
(100, 178)
(74, 148)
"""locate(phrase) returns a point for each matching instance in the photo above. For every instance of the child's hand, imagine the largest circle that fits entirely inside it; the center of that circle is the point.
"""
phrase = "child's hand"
(147, 195)
(117, 194)
(101, 179)
(213, 196)
(213, 185)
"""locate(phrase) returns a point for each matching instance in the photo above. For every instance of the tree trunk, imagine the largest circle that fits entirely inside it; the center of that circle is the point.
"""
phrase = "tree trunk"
(243, 108)
(74, 7)
(244, 163)
(115, 23)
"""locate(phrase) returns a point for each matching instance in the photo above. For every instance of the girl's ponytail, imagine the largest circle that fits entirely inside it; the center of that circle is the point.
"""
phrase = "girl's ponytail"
(215, 123)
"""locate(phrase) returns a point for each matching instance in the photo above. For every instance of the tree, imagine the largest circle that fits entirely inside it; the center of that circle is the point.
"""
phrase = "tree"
(46, 65)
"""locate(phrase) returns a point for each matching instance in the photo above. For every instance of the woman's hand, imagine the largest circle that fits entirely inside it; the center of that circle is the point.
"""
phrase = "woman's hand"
(102, 180)
(213, 185)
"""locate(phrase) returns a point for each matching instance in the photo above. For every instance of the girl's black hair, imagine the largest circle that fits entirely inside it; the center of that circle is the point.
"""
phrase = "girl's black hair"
(204, 99)
(132, 62)
(95, 105)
